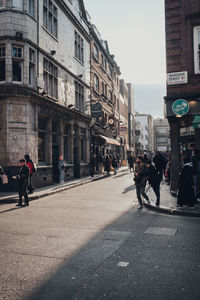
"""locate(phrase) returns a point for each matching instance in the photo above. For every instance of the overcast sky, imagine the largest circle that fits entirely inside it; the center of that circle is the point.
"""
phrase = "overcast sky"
(136, 35)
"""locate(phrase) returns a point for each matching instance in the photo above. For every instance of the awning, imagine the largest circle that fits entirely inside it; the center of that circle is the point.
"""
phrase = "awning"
(109, 140)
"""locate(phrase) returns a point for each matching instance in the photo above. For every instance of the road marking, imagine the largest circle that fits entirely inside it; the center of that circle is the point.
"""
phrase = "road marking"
(123, 264)
(161, 231)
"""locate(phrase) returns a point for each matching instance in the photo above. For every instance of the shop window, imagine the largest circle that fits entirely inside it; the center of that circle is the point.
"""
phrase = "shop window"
(79, 96)
(41, 139)
(50, 76)
(79, 47)
(2, 63)
(50, 21)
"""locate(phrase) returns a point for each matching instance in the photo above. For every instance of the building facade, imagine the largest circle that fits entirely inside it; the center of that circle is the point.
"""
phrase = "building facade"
(183, 78)
(131, 118)
(161, 135)
(139, 148)
(45, 87)
(146, 122)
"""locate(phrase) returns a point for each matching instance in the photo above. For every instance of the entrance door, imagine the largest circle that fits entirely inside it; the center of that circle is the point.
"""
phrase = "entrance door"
(76, 163)
(55, 160)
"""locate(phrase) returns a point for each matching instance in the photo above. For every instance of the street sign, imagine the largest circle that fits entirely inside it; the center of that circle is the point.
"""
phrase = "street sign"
(177, 78)
(196, 122)
(96, 110)
(180, 107)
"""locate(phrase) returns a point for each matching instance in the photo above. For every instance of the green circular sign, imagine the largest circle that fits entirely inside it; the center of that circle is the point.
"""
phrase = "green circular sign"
(180, 107)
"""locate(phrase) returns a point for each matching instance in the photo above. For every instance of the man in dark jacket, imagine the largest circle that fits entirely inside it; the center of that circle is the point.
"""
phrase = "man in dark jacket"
(159, 164)
(154, 180)
(141, 177)
(186, 185)
(22, 182)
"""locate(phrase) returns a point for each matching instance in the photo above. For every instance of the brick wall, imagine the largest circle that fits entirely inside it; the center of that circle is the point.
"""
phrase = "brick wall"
(181, 17)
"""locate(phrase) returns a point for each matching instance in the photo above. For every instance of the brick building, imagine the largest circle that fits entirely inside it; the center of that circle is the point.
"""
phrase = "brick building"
(44, 86)
(183, 77)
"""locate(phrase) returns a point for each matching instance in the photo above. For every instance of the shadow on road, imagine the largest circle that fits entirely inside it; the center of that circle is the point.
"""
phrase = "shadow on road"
(9, 210)
(119, 176)
(129, 189)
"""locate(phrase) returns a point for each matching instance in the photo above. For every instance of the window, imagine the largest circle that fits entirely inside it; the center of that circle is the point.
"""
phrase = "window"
(110, 71)
(96, 82)
(66, 143)
(17, 4)
(2, 63)
(106, 90)
(96, 52)
(161, 140)
(55, 133)
(79, 47)
(110, 96)
(17, 55)
(103, 88)
(161, 130)
(79, 96)
(83, 144)
(41, 139)
(197, 49)
(3, 3)
(31, 66)
(31, 8)
(50, 76)
(50, 21)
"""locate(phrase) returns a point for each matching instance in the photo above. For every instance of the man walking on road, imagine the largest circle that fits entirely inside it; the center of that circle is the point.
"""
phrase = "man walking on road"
(154, 180)
(141, 177)
(22, 182)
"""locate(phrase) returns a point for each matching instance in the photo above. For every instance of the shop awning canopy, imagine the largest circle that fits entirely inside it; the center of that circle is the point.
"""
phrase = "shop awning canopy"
(109, 140)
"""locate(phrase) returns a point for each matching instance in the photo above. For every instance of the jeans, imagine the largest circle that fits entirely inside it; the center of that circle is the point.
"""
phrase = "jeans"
(140, 190)
(156, 189)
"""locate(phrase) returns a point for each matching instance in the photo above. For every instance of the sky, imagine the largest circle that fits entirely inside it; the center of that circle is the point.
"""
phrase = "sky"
(135, 31)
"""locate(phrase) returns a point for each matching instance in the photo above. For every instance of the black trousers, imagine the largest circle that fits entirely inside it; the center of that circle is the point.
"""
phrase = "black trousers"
(140, 190)
(156, 189)
(25, 194)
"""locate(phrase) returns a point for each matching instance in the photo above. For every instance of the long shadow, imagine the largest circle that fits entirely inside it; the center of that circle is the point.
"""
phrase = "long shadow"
(119, 176)
(9, 210)
(129, 189)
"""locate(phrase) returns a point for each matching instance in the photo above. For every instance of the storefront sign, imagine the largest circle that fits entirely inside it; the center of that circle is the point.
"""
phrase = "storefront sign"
(180, 107)
(96, 110)
(177, 78)
(187, 131)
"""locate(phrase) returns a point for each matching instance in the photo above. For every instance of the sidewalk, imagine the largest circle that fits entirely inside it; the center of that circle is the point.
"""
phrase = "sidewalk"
(12, 197)
(168, 203)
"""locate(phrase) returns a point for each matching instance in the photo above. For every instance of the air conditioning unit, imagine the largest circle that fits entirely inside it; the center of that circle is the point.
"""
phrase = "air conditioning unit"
(40, 83)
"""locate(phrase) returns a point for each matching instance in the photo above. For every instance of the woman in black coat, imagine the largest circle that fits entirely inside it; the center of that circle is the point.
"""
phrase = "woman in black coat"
(186, 185)
(107, 164)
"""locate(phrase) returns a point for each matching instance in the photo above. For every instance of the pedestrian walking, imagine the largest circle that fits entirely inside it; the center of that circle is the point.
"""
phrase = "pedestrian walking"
(186, 185)
(61, 167)
(115, 164)
(154, 180)
(131, 163)
(196, 173)
(3, 176)
(107, 164)
(141, 177)
(32, 171)
(159, 164)
(22, 182)
(92, 166)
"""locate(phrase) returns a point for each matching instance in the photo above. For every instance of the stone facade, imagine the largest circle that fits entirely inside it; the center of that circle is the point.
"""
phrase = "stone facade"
(47, 80)
(161, 135)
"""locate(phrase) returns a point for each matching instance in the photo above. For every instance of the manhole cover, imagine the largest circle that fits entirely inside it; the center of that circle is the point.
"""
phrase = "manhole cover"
(161, 231)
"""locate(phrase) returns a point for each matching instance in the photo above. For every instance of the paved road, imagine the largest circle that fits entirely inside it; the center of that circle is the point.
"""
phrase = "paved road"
(92, 243)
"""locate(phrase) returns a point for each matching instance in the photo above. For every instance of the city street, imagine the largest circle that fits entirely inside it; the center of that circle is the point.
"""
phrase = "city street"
(92, 242)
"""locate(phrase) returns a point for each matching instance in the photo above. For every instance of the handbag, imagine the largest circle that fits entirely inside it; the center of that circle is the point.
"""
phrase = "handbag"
(4, 179)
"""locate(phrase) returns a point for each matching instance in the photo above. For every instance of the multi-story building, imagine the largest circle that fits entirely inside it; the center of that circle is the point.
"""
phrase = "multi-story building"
(183, 78)
(44, 86)
(139, 148)
(161, 135)
(104, 97)
(131, 117)
(124, 120)
(146, 122)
